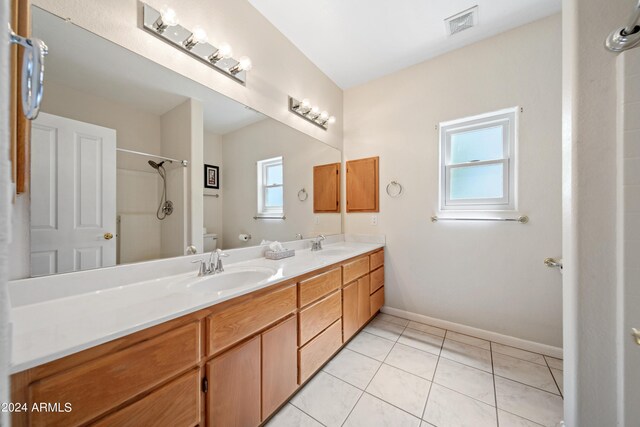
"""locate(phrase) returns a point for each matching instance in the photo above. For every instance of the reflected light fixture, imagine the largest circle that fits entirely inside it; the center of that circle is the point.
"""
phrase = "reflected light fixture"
(167, 18)
(311, 113)
(195, 43)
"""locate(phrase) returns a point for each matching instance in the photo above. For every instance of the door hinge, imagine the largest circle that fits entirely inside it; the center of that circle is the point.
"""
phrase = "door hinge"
(205, 385)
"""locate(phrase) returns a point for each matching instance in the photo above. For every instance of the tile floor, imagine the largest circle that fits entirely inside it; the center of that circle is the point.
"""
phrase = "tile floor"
(396, 373)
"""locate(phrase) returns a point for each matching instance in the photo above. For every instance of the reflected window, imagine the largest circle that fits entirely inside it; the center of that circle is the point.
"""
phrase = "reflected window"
(477, 162)
(270, 187)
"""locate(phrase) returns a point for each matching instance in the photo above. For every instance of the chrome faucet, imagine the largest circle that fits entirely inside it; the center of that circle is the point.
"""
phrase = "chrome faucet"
(316, 245)
(216, 267)
(213, 266)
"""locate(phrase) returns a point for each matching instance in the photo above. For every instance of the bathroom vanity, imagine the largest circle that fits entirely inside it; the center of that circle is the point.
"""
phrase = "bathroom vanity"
(233, 362)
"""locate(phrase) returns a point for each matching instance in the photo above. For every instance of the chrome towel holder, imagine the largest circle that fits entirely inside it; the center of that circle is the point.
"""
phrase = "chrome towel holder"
(32, 72)
(398, 189)
(303, 195)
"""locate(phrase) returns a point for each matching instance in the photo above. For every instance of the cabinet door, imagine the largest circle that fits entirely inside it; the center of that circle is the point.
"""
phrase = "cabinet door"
(279, 365)
(349, 310)
(233, 399)
(326, 188)
(363, 300)
(362, 185)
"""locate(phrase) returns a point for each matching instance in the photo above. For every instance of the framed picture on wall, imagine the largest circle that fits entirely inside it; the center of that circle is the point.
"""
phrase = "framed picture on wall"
(211, 177)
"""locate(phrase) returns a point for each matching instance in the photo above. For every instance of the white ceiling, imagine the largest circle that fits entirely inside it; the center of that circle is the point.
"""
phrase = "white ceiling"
(356, 41)
(88, 63)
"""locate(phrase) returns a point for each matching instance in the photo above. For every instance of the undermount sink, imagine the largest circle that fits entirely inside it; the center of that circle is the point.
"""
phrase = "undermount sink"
(333, 252)
(231, 278)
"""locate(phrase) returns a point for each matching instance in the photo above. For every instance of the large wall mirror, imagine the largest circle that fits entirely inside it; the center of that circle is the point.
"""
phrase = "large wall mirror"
(133, 162)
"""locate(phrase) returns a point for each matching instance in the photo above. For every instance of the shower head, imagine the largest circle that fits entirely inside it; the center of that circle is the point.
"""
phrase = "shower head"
(155, 165)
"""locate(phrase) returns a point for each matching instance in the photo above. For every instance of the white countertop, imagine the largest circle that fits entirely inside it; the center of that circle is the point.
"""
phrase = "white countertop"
(47, 330)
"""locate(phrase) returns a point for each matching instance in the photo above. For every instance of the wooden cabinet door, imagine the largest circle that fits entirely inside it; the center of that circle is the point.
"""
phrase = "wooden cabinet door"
(326, 188)
(349, 311)
(233, 399)
(363, 300)
(279, 365)
(362, 185)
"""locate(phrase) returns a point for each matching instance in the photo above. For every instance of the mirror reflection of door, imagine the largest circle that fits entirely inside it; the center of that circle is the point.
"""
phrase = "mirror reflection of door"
(73, 196)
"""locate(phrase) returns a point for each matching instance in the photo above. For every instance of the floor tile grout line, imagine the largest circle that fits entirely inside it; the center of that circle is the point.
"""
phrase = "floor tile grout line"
(495, 392)
(465, 364)
(301, 410)
(433, 377)
(374, 375)
(529, 385)
(554, 378)
(523, 417)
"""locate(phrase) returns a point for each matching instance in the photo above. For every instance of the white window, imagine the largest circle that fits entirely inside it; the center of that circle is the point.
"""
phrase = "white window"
(477, 162)
(270, 187)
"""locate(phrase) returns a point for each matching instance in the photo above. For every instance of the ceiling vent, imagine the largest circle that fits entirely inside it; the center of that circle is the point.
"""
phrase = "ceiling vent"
(462, 21)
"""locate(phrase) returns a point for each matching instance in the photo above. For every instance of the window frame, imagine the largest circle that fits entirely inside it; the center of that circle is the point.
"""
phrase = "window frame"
(264, 211)
(508, 119)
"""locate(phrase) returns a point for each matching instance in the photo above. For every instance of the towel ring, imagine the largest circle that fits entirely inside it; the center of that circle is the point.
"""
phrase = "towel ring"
(303, 195)
(392, 193)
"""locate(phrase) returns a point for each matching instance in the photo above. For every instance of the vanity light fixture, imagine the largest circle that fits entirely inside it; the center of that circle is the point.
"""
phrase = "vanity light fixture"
(164, 24)
(311, 113)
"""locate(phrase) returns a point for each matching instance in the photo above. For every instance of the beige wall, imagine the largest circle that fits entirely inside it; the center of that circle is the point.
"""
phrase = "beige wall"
(279, 68)
(485, 275)
(263, 140)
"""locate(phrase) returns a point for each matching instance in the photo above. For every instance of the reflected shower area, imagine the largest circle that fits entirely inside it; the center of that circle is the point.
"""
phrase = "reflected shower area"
(150, 206)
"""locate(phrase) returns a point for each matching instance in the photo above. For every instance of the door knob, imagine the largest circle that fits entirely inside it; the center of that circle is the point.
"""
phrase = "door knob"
(635, 333)
(108, 236)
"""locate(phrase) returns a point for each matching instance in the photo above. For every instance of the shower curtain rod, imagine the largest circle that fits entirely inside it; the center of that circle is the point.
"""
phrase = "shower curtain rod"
(168, 159)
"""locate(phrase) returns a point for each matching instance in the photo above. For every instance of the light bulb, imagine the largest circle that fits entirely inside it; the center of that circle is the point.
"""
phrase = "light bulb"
(199, 35)
(225, 50)
(315, 111)
(324, 115)
(245, 63)
(306, 103)
(169, 16)
(331, 120)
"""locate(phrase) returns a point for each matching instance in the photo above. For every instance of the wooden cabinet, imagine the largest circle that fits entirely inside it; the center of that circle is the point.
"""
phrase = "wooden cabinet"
(232, 364)
(326, 188)
(233, 398)
(377, 279)
(363, 185)
(355, 269)
(174, 404)
(315, 288)
(279, 365)
(376, 301)
(363, 300)
(317, 351)
(95, 387)
(239, 321)
(350, 324)
(315, 318)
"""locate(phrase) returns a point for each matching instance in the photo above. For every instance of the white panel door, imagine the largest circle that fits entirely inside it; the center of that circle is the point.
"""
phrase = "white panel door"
(73, 195)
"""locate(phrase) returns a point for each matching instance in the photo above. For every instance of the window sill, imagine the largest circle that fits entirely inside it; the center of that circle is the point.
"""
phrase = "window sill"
(270, 216)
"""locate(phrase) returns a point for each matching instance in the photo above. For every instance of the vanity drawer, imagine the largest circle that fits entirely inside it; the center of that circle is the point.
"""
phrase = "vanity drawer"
(376, 301)
(176, 403)
(315, 318)
(355, 269)
(313, 355)
(377, 279)
(102, 384)
(376, 259)
(233, 324)
(319, 286)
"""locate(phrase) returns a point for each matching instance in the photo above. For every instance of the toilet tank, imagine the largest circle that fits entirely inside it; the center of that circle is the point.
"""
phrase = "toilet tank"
(210, 242)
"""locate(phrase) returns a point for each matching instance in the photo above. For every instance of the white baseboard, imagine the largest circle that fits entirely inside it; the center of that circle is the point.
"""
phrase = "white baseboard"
(480, 333)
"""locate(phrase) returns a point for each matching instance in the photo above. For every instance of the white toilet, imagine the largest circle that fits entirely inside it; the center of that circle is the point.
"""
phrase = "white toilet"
(210, 242)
